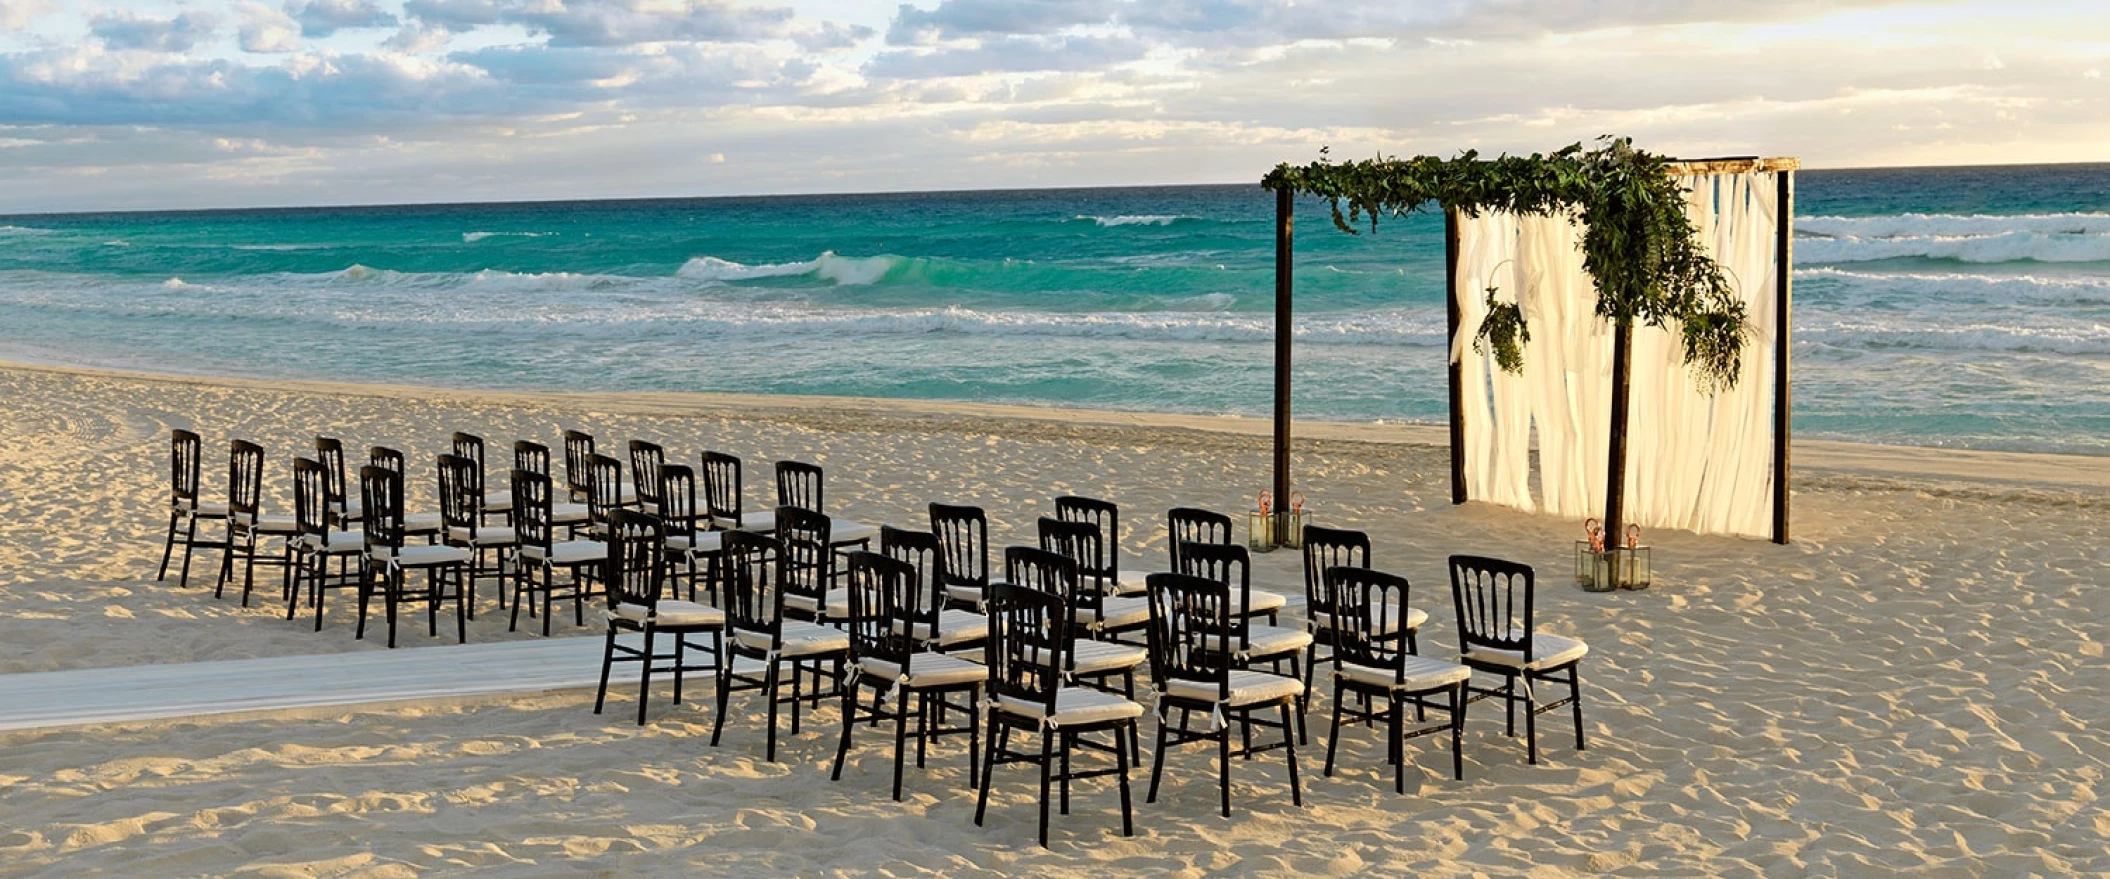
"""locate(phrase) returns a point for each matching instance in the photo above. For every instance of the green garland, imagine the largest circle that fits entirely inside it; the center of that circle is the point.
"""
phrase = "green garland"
(1639, 246)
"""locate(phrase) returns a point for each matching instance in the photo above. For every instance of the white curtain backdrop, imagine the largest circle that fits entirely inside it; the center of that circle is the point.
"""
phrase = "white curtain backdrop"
(1694, 461)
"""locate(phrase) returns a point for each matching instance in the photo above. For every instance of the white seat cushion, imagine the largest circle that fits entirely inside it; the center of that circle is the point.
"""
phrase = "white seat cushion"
(1260, 602)
(929, 670)
(333, 542)
(421, 523)
(1422, 673)
(498, 501)
(268, 524)
(1116, 613)
(838, 603)
(423, 556)
(970, 594)
(843, 531)
(1547, 651)
(569, 552)
(765, 520)
(1093, 658)
(673, 614)
(1268, 641)
(210, 510)
(706, 542)
(486, 535)
(955, 627)
(1416, 618)
(570, 514)
(1132, 583)
(1074, 706)
(799, 639)
(1247, 688)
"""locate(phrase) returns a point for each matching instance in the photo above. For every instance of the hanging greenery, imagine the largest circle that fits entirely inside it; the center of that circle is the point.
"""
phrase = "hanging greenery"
(1505, 331)
(1638, 245)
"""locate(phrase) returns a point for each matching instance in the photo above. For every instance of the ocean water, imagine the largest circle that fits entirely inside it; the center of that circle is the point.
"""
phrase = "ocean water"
(1964, 307)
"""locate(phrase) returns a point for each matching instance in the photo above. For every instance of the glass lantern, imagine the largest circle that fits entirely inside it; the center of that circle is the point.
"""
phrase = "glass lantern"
(1260, 531)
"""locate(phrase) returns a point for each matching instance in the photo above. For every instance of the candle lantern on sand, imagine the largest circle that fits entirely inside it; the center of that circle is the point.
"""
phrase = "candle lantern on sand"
(1593, 566)
(1260, 525)
(1630, 563)
(1290, 527)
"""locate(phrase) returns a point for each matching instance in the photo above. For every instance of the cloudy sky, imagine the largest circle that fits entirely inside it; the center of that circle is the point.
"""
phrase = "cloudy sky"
(192, 103)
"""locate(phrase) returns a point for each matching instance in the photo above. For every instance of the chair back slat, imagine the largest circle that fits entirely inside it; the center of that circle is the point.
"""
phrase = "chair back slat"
(1079, 543)
(1494, 602)
(645, 460)
(805, 561)
(1040, 569)
(185, 449)
(676, 501)
(471, 446)
(604, 488)
(1106, 567)
(381, 496)
(883, 616)
(1324, 549)
(751, 605)
(386, 458)
(721, 487)
(799, 485)
(1226, 563)
(636, 567)
(578, 464)
(925, 585)
(1029, 642)
(1186, 525)
(531, 456)
(245, 480)
(963, 544)
(1190, 625)
(461, 495)
(1369, 613)
(311, 500)
(329, 452)
(533, 508)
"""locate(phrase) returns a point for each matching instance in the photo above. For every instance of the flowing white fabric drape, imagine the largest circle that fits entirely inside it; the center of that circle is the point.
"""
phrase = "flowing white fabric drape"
(1694, 461)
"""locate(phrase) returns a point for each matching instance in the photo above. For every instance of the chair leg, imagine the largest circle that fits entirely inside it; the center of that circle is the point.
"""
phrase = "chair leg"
(168, 547)
(1398, 748)
(1333, 739)
(1047, 762)
(190, 540)
(769, 691)
(1157, 763)
(1531, 721)
(366, 592)
(1575, 696)
(974, 733)
(981, 800)
(725, 694)
(1289, 747)
(644, 678)
(1223, 758)
(461, 622)
(901, 735)
(607, 661)
(1458, 702)
(842, 745)
(1121, 751)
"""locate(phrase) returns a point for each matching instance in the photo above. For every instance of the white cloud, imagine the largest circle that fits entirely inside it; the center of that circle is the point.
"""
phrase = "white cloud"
(321, 18)
(20, 13)
(265, 29)
(124, 30)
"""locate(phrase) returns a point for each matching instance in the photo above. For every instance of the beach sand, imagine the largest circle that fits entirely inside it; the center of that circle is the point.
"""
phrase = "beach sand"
(1916, 684)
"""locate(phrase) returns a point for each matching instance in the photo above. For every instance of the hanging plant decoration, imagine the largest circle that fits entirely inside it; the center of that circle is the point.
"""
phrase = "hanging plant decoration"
(1503, 330)
(1639, 247)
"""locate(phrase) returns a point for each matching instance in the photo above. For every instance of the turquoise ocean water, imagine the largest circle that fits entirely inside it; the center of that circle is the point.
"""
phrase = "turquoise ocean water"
(1952, 307)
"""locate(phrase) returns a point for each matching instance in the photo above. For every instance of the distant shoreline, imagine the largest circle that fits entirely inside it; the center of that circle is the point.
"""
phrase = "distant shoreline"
(1811, 458)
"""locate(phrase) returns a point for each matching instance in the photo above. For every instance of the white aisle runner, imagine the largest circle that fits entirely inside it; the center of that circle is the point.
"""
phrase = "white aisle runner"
(39, 700)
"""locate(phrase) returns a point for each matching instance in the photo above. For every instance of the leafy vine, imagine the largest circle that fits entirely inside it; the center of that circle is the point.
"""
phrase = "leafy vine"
(1638, 244)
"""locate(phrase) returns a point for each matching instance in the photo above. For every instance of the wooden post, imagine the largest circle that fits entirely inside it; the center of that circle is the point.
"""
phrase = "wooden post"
(1457, 367)
(1784, 254)
(1285, 329)
(1615, 472)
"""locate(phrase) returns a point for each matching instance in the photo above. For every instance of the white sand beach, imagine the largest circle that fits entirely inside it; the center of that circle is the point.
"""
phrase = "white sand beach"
(1915, 685)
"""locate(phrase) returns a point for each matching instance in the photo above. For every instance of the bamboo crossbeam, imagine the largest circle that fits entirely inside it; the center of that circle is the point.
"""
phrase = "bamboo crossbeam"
(1734, 165)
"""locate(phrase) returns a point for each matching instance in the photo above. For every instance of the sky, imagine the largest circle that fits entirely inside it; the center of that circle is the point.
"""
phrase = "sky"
(153, 104)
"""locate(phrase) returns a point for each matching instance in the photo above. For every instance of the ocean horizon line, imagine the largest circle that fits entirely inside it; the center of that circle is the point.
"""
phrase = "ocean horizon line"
(875, 193)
